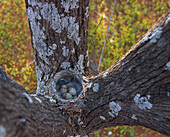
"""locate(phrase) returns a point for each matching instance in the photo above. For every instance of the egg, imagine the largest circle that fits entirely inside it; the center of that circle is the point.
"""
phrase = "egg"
(67, 96)
(63, 89)
(72, 91)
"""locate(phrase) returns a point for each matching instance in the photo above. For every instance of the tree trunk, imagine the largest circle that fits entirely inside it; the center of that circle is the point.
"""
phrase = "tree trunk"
(59, 31)
(134, 91)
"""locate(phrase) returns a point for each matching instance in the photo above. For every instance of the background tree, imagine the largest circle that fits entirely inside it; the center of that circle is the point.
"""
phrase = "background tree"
(41, 54)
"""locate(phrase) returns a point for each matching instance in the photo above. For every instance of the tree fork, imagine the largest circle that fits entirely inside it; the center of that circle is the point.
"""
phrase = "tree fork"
(134, 91)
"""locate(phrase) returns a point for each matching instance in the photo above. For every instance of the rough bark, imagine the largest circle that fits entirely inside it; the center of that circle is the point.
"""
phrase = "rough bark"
(134, 91)
(59, 32)
(25, 116)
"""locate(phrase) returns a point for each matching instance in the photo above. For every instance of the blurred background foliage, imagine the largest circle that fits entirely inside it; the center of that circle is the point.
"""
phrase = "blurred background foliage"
(16, 53)
(130, 21)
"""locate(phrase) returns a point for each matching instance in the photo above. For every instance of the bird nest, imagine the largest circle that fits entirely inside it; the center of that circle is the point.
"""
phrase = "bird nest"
(66, 85)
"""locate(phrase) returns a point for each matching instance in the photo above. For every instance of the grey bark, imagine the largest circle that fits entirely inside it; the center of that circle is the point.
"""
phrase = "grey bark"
(59, 31)
(134, 91)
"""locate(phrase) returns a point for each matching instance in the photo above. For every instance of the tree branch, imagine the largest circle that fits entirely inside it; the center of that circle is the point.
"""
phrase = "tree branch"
(92, 67)
(24, 115)
(106, 36)
(134, 91)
